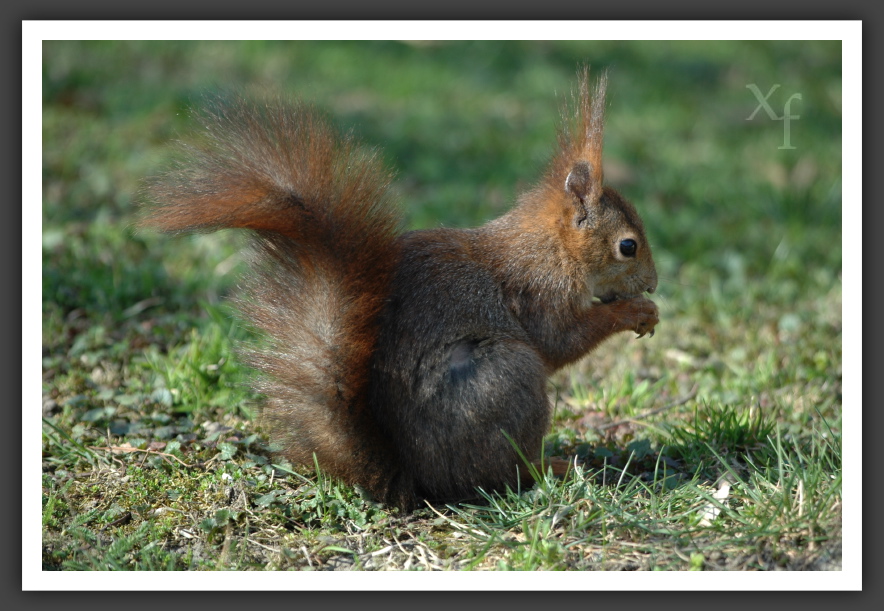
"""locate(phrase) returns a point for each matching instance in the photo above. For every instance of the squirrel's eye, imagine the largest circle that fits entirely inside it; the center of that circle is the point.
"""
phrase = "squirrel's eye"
(628, 248)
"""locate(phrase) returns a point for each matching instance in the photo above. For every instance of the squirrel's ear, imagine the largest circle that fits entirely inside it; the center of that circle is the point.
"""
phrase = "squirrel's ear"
(581, 186)
(578, 181)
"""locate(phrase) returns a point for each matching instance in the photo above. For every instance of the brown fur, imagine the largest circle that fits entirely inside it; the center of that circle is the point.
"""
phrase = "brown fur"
(411, 363)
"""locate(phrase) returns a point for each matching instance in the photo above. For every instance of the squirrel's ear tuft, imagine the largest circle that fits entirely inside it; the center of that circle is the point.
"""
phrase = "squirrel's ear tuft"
(581, 134)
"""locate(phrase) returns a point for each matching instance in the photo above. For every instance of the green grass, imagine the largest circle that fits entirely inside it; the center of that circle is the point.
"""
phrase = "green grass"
(151, 458)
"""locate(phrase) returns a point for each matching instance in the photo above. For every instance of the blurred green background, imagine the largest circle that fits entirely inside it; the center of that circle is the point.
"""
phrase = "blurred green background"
(746, 235)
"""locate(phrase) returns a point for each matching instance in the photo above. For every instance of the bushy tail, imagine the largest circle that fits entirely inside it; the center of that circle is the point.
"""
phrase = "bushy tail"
(323, 259)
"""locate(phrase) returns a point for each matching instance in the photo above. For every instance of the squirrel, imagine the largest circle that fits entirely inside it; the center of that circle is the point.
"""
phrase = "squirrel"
(413, 364)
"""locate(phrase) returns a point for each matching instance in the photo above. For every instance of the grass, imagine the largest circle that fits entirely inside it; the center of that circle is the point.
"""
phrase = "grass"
(716, 445)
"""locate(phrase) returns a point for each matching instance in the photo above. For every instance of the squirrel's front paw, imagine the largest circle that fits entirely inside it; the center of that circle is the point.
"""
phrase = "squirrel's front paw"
(643, 316)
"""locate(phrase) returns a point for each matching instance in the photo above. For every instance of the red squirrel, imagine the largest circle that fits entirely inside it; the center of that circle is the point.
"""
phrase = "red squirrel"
(410, 363)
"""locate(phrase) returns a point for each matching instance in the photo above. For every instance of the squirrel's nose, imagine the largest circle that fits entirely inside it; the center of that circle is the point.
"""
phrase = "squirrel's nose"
(652, 282)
